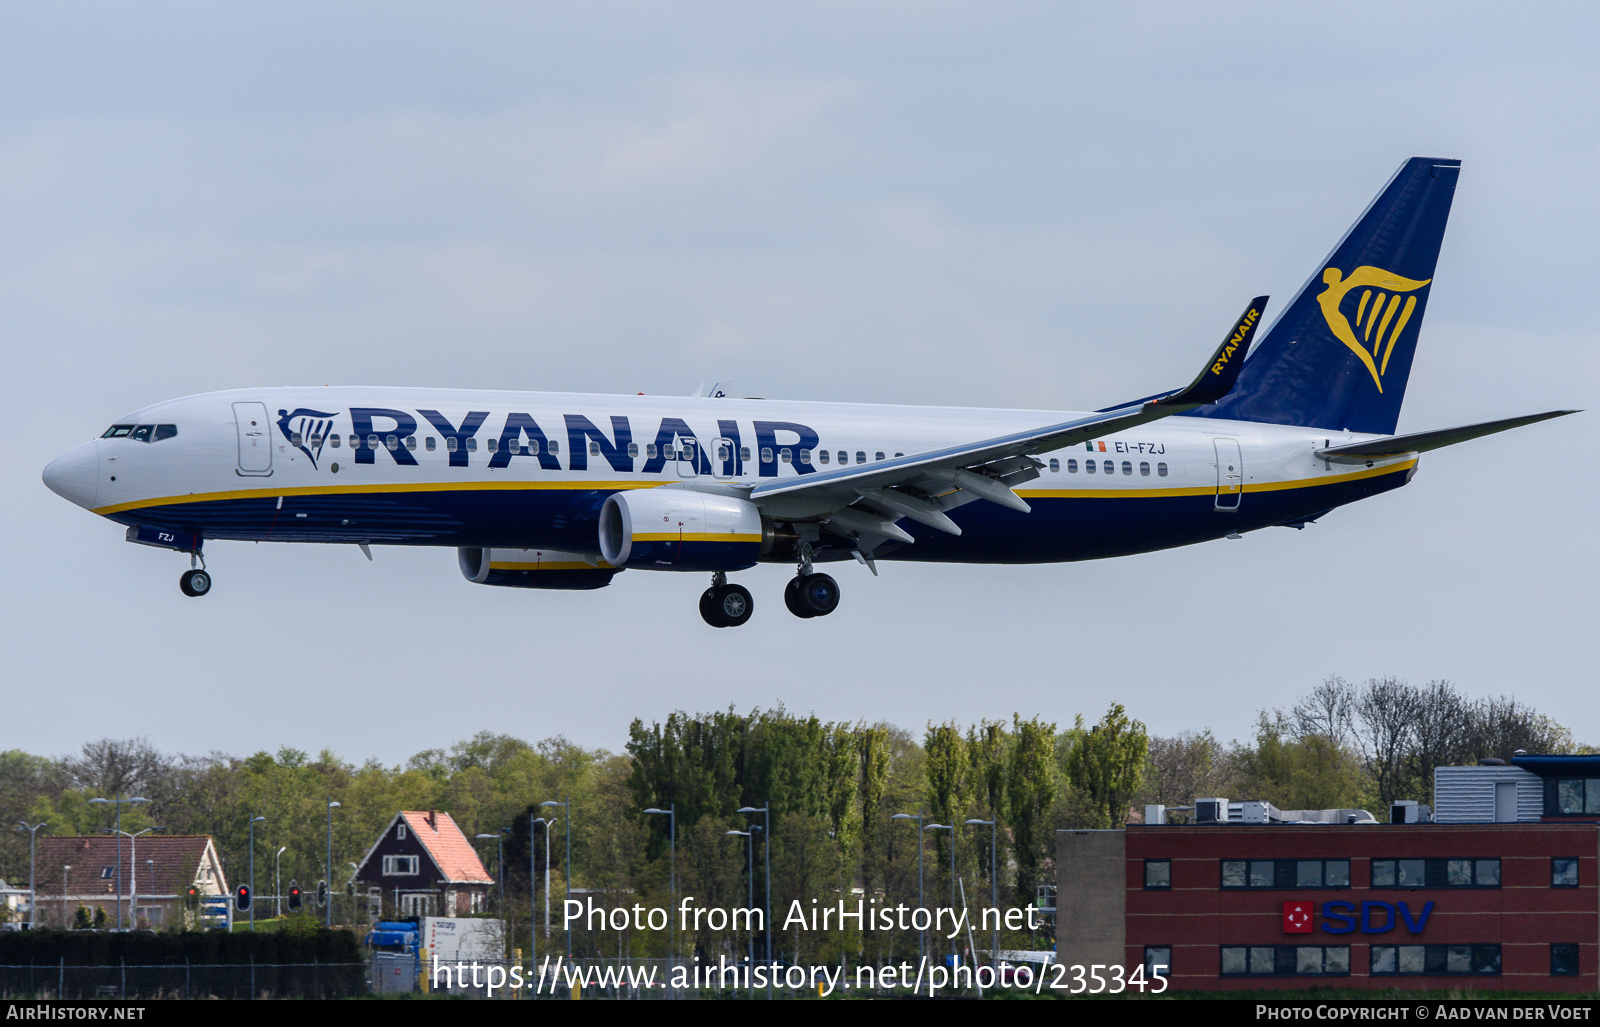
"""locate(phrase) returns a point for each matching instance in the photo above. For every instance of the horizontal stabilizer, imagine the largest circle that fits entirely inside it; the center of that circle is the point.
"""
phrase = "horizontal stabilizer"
(1422, 442)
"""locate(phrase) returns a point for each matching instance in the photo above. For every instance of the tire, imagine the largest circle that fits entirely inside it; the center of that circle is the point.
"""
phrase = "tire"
(818, 593)
(791, 599)
(735, 605)
(709, 609)
(194, 583)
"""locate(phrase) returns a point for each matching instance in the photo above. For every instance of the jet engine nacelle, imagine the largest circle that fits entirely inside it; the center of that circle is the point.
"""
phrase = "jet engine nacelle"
(533, 568)
(679, 530)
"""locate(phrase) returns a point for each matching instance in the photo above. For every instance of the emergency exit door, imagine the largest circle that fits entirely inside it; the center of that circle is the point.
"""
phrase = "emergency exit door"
(1230, 474)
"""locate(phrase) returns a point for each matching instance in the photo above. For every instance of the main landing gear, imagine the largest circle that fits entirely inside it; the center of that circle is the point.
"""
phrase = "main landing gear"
(196, 581)
(724, 605)
(809, 594)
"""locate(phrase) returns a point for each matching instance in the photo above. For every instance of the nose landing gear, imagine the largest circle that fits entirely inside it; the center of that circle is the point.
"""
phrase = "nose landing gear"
(196, 581)
(724, 605)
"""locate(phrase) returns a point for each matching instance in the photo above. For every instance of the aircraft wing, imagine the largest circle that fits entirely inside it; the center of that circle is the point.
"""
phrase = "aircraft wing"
(1422, 442)
(864, 501)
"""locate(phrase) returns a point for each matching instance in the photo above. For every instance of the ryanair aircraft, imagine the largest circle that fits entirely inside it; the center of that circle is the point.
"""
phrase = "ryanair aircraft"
(563, 491)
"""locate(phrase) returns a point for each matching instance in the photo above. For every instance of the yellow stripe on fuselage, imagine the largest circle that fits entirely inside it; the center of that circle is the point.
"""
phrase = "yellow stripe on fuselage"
(355, 490)
(614, 486)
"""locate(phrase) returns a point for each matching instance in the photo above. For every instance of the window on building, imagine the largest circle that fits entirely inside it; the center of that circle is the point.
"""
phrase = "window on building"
(400, 832)
(1285, 960)
(1286, 873)
(1157, 961)
(1566, 796)
(1436, 873)
(400, 866)
(1475, 960)
(108, 873)
(1563, 960)
(1564, 872)
(1157, 874)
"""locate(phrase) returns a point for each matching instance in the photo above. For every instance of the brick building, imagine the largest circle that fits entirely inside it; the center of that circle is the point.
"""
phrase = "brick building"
(1498, 890)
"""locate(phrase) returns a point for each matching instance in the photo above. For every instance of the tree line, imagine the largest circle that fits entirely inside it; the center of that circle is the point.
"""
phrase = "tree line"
(850, 806)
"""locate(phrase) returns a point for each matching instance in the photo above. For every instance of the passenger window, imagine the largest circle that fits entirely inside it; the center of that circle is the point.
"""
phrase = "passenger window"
(861, 457)
(1089, 466)
(650, 450)
(472, 444)
(822, 454)
(411, 442)
(493, 444)
(744, 453)
(785, 455)
(766, 454)
(552, 446)
(899, 454)
(633, 450)
(1161, 470)
(355, 442)
(428, 445)
(142, 433)
(294, 438)
(1127, 467)
(165, 431)
(805, 457)
(450, 444)
(1055, 465)
(392, 442)
(844, 457)
(878, 456)
(1072, 467)
(594, 449)
(372, 442)
(1110, 467)
(1144, 468)
(333, 440)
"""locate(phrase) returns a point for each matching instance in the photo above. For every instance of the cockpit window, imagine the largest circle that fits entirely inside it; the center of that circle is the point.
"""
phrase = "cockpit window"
(141, 432)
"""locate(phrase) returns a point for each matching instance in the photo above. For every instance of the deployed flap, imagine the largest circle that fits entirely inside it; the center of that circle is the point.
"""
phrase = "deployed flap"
(832, 490)
(1422, 442)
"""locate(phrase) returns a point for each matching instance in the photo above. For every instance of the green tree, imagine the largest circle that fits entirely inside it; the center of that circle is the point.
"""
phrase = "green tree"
(1030, 791)
(1107, 764)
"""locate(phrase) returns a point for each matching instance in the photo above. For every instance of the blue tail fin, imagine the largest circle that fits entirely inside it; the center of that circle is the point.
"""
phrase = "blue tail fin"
(1339, 355)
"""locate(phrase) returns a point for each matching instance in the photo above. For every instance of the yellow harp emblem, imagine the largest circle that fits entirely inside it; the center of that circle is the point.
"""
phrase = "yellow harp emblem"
(1375, 312)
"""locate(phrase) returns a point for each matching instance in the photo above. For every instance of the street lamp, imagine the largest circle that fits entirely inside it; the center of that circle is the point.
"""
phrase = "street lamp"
(253, 822)
(922, 944)
(671, 813)
(133, 873)
(277, 882)
(500, 863)
(994, 886)
(33, 899)
(327, 918)
(750, 887)
(118, 802)
(567, 831)
(766, 834)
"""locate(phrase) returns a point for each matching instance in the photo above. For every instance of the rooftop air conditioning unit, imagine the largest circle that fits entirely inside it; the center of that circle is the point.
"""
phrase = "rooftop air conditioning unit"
(1409, 811)
(1155, 815)
(1256, 812)
(1211, 811)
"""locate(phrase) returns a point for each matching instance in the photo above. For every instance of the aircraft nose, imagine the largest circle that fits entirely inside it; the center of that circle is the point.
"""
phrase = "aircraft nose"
(75, 475)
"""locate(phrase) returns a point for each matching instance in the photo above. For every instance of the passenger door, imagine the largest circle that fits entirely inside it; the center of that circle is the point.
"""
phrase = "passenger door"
(255, 439)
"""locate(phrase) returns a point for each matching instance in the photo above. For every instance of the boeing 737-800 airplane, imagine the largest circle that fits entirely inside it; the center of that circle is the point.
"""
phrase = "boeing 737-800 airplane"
(562, 491)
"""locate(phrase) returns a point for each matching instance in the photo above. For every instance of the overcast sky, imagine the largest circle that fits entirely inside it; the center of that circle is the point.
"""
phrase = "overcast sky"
(1006, 205)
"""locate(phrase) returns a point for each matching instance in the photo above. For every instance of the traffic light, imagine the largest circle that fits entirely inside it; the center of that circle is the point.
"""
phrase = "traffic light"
(322, 894)
(294, 896)
(241, 898)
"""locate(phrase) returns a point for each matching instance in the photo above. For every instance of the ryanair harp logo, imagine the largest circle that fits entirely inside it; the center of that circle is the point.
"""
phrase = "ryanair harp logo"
(1380, 314)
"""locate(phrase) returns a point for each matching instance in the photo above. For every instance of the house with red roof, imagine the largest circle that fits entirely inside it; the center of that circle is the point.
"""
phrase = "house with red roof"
(422, 865)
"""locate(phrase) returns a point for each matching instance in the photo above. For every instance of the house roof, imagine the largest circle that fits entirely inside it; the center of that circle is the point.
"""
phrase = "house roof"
(177, 863)
(454, 856)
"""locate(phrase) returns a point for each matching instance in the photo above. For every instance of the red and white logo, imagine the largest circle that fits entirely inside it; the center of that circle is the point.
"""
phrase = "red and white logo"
(1297, 917)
